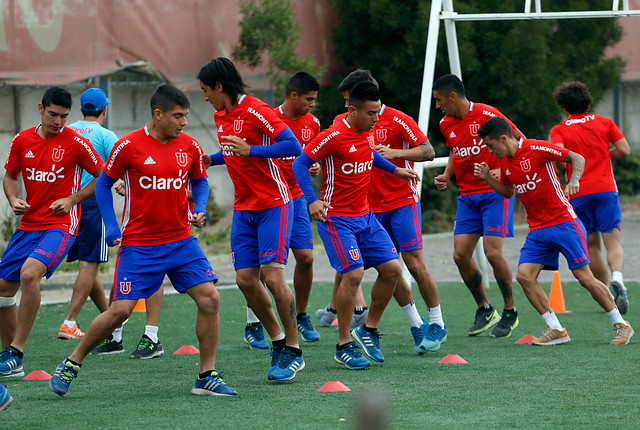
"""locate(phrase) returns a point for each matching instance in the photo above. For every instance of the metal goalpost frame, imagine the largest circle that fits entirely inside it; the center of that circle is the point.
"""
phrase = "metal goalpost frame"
(442, 10)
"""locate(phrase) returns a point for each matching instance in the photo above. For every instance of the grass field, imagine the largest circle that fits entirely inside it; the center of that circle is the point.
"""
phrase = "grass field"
(586, 383)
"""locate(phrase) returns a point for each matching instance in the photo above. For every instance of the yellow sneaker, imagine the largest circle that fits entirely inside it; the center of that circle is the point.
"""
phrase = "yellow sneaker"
(67, 332)
(622, 333)
(552, 336)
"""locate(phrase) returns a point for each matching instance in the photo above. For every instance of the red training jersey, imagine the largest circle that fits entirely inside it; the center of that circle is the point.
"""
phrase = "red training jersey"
(590, 135)
(396, 130)
(347, 159)
(51, 169)
(533, 175)
(155, 175)
(461, 136)
(258, 182)
(305, 129)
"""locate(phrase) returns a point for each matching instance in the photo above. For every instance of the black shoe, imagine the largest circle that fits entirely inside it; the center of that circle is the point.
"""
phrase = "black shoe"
(507, 324)
(485, 319)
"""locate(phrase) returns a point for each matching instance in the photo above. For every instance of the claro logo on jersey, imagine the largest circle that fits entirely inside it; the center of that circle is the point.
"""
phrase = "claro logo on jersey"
(159, 183)
(357, 167)
(42, 176)
(467, 151)
(530, 185)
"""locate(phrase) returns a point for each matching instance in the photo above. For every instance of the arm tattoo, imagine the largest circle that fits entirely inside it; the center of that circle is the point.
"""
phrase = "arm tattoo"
(428, 153)
(577, 163)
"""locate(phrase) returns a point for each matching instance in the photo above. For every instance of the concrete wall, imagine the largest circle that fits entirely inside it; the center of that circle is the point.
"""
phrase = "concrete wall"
(624, 109)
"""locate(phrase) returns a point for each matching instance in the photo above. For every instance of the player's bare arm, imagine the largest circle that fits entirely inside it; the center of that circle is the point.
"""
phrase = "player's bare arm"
(63, 206)
(577, 162)
(620, 149)
(442, 180)
(206, 160)
(318, 210)
(237, 145)
(518, 134)
(407, 174)
(422, 152)
(482, 171)
(11, 189)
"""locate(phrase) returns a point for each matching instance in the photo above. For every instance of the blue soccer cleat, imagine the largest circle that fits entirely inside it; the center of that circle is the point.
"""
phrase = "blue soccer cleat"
(369, 341)
(10, 364)
(254, 336)
(5, 398)
(62, 378)
(306, 330)
(212, 385)
(418, 334)
(288, 365)
(434, 338)
(275, 356)
(351, 357)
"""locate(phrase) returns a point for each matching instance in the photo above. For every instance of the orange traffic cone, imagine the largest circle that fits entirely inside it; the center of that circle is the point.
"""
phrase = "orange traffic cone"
(141, 306)
(556, 298)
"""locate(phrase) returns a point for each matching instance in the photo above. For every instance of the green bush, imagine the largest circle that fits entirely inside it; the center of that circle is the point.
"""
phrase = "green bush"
(626, 173)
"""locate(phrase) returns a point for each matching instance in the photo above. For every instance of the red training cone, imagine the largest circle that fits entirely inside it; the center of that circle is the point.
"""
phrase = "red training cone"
(187, 349)
(525, 340)
(37, 375)
(335, 322)
(333, 386)
(453, 359)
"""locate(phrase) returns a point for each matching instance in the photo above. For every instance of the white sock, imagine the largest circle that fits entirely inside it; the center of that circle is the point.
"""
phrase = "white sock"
(251, 317)
(152, 332)
(617, 276)
(278, 337)
(435, 316)
(552, 320)
(117, 335)
(69, 323)
(614, 316)
(412, 314)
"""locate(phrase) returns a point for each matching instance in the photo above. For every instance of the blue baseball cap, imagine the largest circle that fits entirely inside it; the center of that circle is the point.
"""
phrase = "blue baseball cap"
(95, 98)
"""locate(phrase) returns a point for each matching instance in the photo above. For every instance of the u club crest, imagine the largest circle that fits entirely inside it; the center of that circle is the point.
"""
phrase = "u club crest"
(237, 126)
(473, 129)
(381, 134)
(525, 165)
(182, 159)
(306, 134)
(57, 154)
(372, 143)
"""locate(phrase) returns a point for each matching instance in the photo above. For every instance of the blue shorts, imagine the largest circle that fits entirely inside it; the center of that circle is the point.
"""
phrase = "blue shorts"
(90, 244)
(544, 245)
(140, 270)
(486, 214)
(354, 242)
(259, 237)
(48, 246)
(404, 226)
(598, 212)
(301, 234)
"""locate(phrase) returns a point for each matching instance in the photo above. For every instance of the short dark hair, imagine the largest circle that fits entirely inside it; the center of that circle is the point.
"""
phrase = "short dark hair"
(167, 97)
(354, 78)
(448, 84)
(57, 96)
(362, 93)
(495, 127)
(92, 113)
(302, 83)
(574, 97)
(222, 70)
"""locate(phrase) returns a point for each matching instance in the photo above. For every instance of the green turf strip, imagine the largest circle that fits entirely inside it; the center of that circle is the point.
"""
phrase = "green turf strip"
(585, 383)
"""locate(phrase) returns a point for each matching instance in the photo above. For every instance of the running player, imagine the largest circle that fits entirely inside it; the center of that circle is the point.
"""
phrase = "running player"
(353, 237)
(480, 211)
(156, 162)
(251, 136)
(50, 158)
(596, 203)
(526, 166)
(90, 247)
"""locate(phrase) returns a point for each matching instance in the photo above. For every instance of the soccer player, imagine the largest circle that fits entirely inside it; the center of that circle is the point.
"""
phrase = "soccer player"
(480, 211)
(50, 158)
(251, 136)
(156, 162)
(596, 203)
(526, 166)
(90, 247)
(353, 237)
